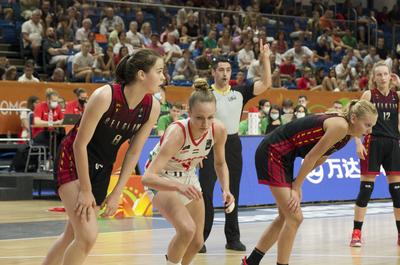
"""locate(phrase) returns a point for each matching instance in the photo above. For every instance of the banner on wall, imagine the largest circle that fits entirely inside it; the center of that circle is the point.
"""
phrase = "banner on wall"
(338, 179)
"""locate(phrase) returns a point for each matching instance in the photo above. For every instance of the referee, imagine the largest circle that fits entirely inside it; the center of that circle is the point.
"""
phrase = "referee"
(230, 103)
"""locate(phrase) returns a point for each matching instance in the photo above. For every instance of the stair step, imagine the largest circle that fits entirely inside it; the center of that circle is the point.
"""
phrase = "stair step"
(9, 54)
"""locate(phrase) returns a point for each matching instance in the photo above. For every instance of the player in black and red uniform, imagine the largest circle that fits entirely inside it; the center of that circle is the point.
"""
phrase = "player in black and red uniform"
(115, 113)
(313, 138)
(381, 147)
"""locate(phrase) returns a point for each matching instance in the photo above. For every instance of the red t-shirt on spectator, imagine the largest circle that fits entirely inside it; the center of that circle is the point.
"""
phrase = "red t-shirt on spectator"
(303, 83)
(42, 112)
(287, 69)
(73, 107)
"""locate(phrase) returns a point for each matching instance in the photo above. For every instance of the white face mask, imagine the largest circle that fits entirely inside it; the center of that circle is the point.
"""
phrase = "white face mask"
(158, 96)
(53, 104)
(274, 116)
(300, 115)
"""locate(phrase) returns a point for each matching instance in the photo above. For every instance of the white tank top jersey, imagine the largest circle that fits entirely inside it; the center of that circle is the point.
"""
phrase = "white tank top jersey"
(191, 152)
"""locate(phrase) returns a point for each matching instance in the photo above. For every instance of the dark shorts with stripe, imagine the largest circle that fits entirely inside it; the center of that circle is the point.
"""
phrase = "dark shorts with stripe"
(381, 151)
(273, 169)
(65, 171)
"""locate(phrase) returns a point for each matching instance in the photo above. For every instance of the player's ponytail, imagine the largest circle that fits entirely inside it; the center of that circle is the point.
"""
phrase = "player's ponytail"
(202, 93)
(359, 108)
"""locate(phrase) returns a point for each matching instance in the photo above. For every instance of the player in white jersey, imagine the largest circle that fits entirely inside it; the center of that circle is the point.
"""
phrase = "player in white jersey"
(170, 172)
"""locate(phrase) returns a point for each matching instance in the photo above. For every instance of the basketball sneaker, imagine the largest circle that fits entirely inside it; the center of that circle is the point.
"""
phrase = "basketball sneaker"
(244, 262)
(356, 238)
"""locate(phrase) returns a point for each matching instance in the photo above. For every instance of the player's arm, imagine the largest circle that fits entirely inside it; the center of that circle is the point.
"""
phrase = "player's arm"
(320, 162)
(221, 168)
(335, 130)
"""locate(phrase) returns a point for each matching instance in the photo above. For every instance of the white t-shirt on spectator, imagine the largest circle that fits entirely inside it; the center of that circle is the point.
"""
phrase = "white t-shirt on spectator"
(83, 61)
(108, 25)
(23, 78)
(369, 59)
(254, 70)
(135, 39)
(298, 57)
(35, 31)
(245, 56)
(118, 46)
(340, 70)
(172, 47)
(81, 34)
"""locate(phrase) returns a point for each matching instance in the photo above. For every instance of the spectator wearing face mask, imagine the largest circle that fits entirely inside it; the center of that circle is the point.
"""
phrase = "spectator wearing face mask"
(77, 106)
(287, 110)
(274, 119)
(47, 113)
(264, 106)
(299, 112)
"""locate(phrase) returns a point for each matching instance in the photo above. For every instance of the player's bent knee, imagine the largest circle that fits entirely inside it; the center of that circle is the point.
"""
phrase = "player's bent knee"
(366, 188)
(394, 189)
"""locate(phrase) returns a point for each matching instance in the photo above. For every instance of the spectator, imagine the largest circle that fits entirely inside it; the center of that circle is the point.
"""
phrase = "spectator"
(300, 111)
(371, 57)
(210, 41)
(307, 82)
(105, 62)
(156, 45)
(225, 43)
(122, 41)
(254, 70)
(302, 100)
(56, 53)
(297, 52)
(246, 56)
(326, 22)
(134, 37)
(165, 120)
(94, 46)
(11, 73)
(274, 119)
(65, 34)
(337, 106)
(32, 33)
(58, 75)
(288, 69)
(329, 83)
(165, 106)
(123, 51)
(185, 68)
(192, 26)
(83, 63)
(77, 106)
(83, 32)
(139, 18)
(110, 21)
(281, 44)
(145, 30)
(46, 113)
(173, 51)
(344, 71)
(28, 73)
(113, 37)
(4, 64)
(170, 28)
(349, 40)
(274, 52)
(198, 47)
(287, 110)
(27, 117)
(240, 79)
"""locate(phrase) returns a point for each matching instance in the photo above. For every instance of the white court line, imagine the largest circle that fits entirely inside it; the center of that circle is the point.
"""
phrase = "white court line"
(217, 254)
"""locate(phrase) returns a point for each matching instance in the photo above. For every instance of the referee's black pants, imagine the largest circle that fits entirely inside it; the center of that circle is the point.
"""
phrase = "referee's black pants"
(208, 177)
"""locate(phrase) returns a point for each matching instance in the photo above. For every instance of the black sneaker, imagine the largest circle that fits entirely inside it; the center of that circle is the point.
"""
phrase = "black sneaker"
(235, 245)
(203, 249)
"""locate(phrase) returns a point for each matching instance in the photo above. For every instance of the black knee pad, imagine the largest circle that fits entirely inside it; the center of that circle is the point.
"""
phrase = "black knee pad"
(366, 188)
(394, 189)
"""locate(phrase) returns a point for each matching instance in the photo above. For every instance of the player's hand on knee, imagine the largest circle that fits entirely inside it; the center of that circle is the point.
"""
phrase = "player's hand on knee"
(111, 204)
(190, 191)
(295, 199)
(84, 204)
(361, 151)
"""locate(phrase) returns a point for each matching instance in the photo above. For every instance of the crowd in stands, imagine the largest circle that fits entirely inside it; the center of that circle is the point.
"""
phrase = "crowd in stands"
(317, 49)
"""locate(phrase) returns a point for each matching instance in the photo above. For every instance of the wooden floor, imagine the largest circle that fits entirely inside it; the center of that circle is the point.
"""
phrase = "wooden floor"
(321, 240)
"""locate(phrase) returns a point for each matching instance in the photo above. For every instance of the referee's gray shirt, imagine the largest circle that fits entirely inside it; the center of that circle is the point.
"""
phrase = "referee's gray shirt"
(230, 106)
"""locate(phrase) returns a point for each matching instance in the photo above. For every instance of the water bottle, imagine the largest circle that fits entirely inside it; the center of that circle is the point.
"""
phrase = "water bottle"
(253, 121)
(50, 120)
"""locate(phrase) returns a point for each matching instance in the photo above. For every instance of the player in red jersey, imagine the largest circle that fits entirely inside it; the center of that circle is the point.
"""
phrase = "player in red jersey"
(380, 148)
(115, 113)
(313, 138)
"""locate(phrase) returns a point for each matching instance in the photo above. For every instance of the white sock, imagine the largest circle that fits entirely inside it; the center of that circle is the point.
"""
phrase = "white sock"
(171, 263)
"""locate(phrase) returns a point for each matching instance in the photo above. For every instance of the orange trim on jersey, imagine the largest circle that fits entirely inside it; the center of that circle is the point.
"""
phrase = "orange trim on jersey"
(191, 135)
